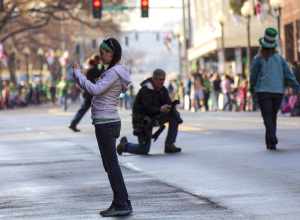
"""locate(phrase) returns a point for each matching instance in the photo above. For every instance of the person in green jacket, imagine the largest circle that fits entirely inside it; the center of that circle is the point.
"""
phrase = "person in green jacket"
(270, 75)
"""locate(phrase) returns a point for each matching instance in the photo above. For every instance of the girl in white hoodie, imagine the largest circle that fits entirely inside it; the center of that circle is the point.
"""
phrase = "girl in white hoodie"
(106, 119)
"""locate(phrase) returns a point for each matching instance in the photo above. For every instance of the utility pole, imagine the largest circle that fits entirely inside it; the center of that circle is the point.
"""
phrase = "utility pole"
(184, 44)
(189, 39)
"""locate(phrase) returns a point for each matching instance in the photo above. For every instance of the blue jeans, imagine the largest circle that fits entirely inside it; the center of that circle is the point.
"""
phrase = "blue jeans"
(144, 142)
(106, 135)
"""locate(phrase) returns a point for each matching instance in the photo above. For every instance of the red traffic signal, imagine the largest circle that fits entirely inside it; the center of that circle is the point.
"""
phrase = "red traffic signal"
(97, 8)
(145, 3)
(145, 8)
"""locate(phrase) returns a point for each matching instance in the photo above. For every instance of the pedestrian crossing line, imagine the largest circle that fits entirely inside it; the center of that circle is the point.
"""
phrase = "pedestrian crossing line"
(59, 112)
(191, 128)
(184, 127)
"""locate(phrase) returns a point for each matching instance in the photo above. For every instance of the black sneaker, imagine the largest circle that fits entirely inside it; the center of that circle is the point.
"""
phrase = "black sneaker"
(172, 149)
(271, 147)
(121, 145)
(114, 211)
(73, 128)
(129, 204)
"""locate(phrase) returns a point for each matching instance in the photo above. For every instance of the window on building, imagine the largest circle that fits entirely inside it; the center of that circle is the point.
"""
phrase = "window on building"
(289, 42)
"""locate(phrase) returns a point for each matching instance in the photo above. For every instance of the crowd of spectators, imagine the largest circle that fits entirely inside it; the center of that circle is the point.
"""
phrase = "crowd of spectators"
(37, 92)
(200, 91)
(210, 91)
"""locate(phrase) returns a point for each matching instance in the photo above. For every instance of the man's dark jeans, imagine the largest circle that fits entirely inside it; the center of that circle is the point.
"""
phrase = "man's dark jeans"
(143, 147)
(269, 105)
(83, 109)
(106, 137)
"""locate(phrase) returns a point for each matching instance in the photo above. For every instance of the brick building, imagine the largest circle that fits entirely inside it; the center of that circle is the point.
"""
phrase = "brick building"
(291, 30)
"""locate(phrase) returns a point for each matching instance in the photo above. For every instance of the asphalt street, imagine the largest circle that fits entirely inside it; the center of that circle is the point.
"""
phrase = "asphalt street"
(224, 171)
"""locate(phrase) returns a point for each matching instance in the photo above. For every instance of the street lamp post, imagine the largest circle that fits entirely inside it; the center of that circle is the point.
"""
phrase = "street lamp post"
(26, 52)
(277, 6)
(184, 45)
(221, 20)
(247, 12)
(177, 33)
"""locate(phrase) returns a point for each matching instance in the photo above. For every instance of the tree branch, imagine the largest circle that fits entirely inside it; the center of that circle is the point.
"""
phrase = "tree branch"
(18, 31)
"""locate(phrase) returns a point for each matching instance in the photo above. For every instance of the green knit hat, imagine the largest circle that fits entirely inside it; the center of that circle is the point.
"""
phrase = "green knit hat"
(270, 38)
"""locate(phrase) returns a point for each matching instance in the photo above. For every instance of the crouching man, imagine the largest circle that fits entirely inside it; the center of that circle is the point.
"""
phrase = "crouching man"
(152, 107)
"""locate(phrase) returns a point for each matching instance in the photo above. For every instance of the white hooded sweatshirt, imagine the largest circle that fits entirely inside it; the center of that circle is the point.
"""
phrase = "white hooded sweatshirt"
(105, 92)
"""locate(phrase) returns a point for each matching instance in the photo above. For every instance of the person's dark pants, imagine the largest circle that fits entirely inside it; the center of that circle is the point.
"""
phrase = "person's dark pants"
(106, 135)
(269, 105)
(144, 141)
(53, 94)
(143, 146)
(206, 98)
(80, 113)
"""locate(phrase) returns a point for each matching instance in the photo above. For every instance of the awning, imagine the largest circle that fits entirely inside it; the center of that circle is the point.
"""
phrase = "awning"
(200, 50)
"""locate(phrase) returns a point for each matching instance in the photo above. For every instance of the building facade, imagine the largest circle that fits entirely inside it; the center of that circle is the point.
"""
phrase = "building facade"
(215, 28)
(291, 30)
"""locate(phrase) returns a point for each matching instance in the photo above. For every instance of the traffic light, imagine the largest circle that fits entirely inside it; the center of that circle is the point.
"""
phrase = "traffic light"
(145, 8)
(97, 8)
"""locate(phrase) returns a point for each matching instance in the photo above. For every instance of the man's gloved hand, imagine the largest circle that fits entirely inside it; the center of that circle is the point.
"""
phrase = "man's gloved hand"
(165, 108)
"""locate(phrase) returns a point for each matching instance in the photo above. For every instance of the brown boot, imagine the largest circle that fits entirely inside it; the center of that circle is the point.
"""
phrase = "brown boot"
(172, 149)
(121, 145)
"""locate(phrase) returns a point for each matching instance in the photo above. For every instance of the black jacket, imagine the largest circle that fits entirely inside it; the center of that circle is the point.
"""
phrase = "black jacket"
(148, 101)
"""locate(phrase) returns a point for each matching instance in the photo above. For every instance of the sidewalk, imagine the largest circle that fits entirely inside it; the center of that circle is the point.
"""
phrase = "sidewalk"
(55, 177)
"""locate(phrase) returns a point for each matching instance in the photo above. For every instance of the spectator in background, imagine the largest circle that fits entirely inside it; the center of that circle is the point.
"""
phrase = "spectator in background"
(215, 91)
(296, 108)
(131, 96)
(172, 89)
(226, 90)
(289, 101)
(242, 95)
(187, 93)
(296, 70)
(206, 90)
(180, 93)
(53, 91)
(92, 74)
(6, 94)
(197, 93)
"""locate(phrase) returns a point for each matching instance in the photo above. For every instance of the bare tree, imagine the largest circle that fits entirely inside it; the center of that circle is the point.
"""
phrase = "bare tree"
(36, 24)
